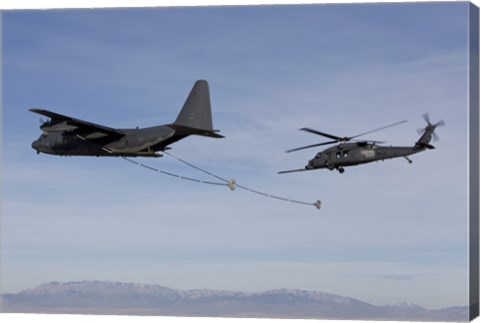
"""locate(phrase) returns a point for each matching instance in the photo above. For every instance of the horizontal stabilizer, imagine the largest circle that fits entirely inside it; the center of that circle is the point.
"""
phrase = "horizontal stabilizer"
(184, 130)
(425, 145)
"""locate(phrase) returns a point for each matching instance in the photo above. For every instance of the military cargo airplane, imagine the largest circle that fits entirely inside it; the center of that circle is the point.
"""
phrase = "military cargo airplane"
(66, 136)
(365, 151)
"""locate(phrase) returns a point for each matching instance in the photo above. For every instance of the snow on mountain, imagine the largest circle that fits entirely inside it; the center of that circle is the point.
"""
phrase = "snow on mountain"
(406, 305)
(104, 297)
(209, 293)
(99, 287)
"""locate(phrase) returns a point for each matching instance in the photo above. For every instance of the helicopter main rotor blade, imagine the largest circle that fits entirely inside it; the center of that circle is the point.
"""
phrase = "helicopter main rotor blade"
(370, 141)
(310, 146)
(426, 117)
(390, 125)
(322, 134)
(440, 123)
(340, 139)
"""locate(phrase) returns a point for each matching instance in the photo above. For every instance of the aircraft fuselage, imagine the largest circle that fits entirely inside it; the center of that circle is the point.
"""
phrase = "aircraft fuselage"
(356, 154)
(66, 136)
(135, 142)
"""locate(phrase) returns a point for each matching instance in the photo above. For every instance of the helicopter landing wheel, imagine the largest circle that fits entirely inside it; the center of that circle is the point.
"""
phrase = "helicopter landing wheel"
(341, 170)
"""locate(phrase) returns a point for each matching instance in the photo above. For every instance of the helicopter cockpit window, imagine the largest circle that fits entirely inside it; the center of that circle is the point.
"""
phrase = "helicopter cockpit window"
(44, 134)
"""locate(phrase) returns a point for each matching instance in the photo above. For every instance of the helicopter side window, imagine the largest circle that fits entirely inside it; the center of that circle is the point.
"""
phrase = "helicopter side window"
(345, 154)
(339, 154)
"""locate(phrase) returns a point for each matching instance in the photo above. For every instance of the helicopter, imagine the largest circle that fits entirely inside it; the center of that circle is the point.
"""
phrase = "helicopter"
(357, 152)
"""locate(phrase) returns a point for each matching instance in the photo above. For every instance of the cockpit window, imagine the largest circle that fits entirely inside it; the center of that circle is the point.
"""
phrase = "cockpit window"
(44, 134)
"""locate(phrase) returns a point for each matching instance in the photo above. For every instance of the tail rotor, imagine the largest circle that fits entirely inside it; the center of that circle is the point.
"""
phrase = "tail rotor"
(431, 127)
(428, 133)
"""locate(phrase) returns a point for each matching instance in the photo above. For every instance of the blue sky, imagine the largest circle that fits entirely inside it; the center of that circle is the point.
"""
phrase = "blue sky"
(342, 69)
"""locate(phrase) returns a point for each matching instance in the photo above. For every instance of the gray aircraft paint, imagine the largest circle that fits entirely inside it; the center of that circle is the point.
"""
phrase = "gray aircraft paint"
(66, 136)
(362, 152)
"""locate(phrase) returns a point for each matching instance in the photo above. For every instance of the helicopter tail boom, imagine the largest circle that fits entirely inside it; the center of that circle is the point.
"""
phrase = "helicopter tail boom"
(424, 145)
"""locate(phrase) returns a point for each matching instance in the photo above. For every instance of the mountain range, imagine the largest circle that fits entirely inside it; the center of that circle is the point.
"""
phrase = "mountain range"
(104, 297)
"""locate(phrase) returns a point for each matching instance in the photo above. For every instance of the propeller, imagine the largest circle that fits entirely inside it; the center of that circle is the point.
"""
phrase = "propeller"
(426, 117)
(337, 139)
(431, 126)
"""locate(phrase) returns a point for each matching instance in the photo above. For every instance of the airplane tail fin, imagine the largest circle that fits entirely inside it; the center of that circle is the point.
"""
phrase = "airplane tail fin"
(195, 118)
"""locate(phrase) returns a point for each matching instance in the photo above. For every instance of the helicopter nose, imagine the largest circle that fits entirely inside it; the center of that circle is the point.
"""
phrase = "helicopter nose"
(36, 145)
(310, 164)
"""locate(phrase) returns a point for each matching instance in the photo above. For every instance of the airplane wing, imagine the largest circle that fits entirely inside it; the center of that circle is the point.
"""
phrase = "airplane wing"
(84, 128)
